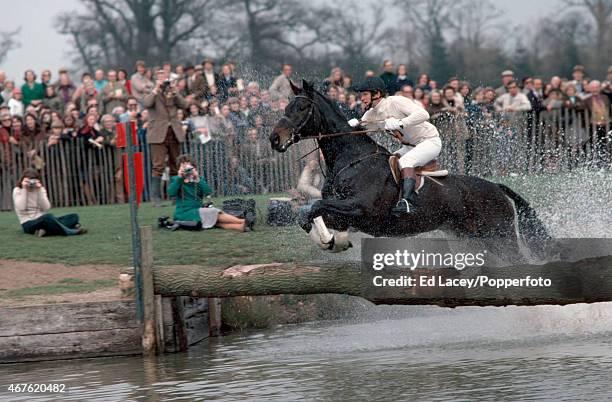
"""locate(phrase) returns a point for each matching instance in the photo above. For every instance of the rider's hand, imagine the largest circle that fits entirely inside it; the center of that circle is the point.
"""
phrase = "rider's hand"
(353, 122)
(393, 124)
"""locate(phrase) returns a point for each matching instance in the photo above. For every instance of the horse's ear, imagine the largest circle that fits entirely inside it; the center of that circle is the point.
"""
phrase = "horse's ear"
(294, 88)
(308, 87)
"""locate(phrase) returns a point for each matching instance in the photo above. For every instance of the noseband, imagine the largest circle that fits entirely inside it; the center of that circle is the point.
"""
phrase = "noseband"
(296, 128)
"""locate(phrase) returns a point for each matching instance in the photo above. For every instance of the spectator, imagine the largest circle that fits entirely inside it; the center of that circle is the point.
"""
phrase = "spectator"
(389, 77)
(65, 87)
(33, 92)
(598, 106)
(31, 205)
(165, 132)
(239, 180)
(512, 101)
(435, 108)
(189, 189)
(141, 84)
(211, 78)
(7, 92)
(507, 76)
(423, 83)
(420, 96)
(606, 88)
(52, 101)
(99, 81)
(578, 80)
(335, 79)
(45, 78)
(281, 88)
(122, 78)
(56, 135)
(114, 93)
(554, 101)
(310, 182)
(15, 104)
(402, 78)
(407, 91)
(227, 83)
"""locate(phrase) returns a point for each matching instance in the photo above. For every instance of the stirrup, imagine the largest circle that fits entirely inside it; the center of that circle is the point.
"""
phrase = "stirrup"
(402, 207)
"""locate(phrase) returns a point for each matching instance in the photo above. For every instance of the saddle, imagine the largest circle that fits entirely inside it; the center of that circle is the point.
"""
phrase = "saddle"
(430, 169)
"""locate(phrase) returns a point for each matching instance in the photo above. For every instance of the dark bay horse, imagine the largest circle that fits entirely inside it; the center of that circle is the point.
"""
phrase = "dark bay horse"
(359, 190)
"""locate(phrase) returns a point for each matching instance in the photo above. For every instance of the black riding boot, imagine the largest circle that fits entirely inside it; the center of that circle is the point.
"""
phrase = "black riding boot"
(406, 204)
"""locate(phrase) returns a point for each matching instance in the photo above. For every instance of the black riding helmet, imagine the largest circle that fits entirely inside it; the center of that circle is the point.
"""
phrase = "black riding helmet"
(371, 84)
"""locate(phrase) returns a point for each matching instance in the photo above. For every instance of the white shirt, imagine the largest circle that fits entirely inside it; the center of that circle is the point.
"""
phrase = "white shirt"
(30, 205)
(519, 103)
(414, 118)
(210, 78)
(15, 107)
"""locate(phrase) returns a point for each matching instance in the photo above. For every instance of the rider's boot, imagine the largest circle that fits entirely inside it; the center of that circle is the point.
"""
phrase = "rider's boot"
(407, 203)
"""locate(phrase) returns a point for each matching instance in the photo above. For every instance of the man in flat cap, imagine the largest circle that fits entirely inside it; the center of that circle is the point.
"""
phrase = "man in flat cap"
(507, 76)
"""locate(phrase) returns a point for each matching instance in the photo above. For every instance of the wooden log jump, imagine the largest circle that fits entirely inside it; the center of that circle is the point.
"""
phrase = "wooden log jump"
(586, 281)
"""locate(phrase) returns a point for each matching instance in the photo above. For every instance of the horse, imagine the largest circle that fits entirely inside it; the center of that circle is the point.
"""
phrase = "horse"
(359, 190)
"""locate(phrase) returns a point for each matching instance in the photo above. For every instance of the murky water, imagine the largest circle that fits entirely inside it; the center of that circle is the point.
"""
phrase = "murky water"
(515, 353)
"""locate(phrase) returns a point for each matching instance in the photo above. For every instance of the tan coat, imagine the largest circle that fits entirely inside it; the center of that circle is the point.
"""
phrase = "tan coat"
(163, 114)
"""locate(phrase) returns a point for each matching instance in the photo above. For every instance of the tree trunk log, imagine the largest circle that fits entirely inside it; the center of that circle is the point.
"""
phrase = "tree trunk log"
(585, 281)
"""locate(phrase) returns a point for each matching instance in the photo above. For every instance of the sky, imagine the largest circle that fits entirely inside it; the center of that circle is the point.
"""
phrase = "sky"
(42, 47)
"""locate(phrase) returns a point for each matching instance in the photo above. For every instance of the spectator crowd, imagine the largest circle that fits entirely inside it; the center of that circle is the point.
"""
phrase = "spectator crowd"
(223, 107)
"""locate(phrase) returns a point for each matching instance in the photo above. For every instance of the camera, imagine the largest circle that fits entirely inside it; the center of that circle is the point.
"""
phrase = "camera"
(32, 183)
(188, 171)
(165, 85)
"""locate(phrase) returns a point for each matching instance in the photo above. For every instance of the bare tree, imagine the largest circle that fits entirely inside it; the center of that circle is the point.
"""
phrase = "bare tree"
(8, 43)
(601, 12)
(119, 32)
(270, 31)
(432, 19)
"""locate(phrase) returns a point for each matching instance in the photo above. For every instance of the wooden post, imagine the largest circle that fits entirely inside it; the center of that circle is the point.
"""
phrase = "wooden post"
(148, 295)
(214, 316)
(160, 335)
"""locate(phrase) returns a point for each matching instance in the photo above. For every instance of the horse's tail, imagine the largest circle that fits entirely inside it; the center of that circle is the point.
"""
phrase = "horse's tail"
(529, 225)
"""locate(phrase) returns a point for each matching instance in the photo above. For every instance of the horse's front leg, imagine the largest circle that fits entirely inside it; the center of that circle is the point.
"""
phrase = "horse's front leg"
(334, 214)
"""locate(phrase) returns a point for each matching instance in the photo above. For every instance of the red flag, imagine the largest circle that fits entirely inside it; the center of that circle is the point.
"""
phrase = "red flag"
(121, 136)
(139, 175)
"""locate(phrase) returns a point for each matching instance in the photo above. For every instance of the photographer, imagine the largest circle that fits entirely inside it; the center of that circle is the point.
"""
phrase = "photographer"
(190, 189)
(165, 132)
(31, 202)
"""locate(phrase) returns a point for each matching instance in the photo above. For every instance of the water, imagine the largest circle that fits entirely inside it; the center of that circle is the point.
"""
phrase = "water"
(514, 353)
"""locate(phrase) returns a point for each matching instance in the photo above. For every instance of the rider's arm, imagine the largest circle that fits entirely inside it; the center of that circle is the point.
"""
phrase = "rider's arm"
(371, 125)
(414, 113)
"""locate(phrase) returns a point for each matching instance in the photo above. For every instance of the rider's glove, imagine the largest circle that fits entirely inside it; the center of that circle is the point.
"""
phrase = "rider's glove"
(353, 122)
(393, 124)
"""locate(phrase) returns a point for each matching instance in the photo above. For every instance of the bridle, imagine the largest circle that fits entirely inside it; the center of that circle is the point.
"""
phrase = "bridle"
(295, 136)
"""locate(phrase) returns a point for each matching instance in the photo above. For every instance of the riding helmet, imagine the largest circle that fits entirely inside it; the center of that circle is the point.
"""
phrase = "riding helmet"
(371, 84)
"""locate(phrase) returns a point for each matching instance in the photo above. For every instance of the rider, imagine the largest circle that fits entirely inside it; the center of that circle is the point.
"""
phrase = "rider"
(409, 121)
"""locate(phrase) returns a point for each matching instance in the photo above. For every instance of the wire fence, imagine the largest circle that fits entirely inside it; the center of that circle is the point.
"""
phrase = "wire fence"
(78, 173)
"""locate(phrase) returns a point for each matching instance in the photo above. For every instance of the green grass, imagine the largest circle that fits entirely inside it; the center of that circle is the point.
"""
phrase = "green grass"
(109, 240)
(109, 237)
(62, 286)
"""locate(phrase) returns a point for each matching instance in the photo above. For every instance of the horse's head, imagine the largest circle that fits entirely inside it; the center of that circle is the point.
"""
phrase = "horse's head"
(299, 119)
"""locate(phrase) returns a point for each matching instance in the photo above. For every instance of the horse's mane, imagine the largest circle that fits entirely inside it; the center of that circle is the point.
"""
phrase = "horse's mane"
(333, 106)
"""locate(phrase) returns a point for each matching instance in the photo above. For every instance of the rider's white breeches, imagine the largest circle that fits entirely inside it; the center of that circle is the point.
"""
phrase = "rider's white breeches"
(421, 154)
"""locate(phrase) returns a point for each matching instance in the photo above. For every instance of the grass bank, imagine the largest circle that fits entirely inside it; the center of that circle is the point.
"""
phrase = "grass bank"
(109, 240)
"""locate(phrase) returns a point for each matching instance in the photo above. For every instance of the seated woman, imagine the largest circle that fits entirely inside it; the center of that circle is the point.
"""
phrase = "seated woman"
(31, 203)
(190, 189)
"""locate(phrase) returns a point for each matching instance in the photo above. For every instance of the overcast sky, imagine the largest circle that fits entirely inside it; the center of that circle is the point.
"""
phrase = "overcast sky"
(42, 47)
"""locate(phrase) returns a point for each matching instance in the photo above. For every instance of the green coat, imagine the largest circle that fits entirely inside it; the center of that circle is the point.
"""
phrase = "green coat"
(189, 198)
(37, 92)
